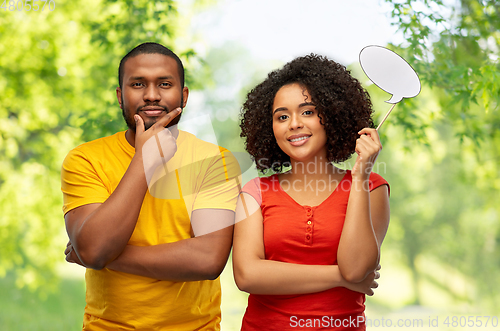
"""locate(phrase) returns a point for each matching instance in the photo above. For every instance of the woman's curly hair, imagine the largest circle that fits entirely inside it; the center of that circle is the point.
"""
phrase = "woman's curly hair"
(344, 108)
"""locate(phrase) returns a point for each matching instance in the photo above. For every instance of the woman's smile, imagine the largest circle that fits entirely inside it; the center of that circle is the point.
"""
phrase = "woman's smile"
(298, 140)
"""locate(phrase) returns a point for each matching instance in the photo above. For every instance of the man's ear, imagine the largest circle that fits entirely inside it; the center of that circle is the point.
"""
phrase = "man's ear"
(119, 96)
(185, 94)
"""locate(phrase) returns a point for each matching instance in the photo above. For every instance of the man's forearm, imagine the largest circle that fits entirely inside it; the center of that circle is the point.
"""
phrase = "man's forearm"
(101, 236)
(193, 259)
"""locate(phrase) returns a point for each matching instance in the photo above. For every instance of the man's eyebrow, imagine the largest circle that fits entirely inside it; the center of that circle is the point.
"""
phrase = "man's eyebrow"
(159, 78)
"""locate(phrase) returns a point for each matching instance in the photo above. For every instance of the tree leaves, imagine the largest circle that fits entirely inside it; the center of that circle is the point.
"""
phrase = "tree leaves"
(58, 73)
(455, 50)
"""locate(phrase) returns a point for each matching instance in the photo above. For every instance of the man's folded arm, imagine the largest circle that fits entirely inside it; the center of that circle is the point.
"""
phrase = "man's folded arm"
(204, 256)
(199, 258)
(100, 231)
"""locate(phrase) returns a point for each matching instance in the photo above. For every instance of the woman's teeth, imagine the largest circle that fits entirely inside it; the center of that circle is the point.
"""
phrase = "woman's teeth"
(299, 139)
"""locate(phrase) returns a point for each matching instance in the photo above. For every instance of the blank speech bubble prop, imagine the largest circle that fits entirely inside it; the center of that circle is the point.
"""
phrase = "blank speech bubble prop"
(391, 73)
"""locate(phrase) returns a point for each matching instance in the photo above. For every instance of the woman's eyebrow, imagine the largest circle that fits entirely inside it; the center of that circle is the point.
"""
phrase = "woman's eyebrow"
(279, 109)
(306, 104)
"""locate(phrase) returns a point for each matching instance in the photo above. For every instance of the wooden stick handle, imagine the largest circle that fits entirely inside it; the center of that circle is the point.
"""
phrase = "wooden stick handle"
(378, 127)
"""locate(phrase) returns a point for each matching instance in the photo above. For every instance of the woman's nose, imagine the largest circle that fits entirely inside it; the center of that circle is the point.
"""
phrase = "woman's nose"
(295, 123)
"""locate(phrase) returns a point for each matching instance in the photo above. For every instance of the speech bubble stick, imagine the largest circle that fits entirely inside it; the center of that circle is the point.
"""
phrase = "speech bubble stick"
(391, 73)
(386, 115)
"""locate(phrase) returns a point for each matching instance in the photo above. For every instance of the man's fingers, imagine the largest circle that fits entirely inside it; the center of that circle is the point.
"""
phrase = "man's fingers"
(163, 122)
(68, 254)
(139, 124)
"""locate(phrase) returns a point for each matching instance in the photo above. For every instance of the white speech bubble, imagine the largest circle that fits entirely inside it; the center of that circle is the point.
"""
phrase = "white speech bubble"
(390, 72)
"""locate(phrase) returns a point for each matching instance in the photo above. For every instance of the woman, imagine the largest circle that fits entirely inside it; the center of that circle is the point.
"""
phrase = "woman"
(307, 241)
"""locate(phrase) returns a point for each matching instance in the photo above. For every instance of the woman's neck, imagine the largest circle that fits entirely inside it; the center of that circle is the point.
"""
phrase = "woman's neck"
(310, 183)
(317, 167)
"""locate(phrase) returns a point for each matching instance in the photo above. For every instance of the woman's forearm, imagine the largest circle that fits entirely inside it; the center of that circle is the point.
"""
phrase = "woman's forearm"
(358, 252)
(260, 276)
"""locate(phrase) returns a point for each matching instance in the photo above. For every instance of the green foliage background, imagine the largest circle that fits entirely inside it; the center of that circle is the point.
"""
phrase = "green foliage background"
(448, 211)
(58, 72)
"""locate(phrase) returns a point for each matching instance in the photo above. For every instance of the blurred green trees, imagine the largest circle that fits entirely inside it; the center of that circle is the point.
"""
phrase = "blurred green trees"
(445, 209)
(58, 72)
(455, 49)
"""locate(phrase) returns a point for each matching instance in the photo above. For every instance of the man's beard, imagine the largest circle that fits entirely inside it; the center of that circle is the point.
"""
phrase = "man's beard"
(149, 123)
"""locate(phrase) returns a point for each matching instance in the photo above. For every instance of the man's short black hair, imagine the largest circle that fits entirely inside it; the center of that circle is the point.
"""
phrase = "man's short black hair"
(151, 48)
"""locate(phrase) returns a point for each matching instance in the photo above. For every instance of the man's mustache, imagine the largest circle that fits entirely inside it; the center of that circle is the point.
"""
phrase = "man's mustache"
(155, 104)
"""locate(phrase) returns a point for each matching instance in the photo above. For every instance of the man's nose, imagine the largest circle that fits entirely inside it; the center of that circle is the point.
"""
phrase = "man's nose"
(152, 93)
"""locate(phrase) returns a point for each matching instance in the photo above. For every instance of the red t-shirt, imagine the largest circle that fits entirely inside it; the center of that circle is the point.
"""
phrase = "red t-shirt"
(304, 235)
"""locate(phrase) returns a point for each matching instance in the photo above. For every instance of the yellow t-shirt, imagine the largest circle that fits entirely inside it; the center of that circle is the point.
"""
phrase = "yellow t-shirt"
(205, 177)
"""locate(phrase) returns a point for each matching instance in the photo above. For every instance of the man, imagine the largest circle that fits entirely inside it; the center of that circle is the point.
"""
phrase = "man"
(145, 268)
